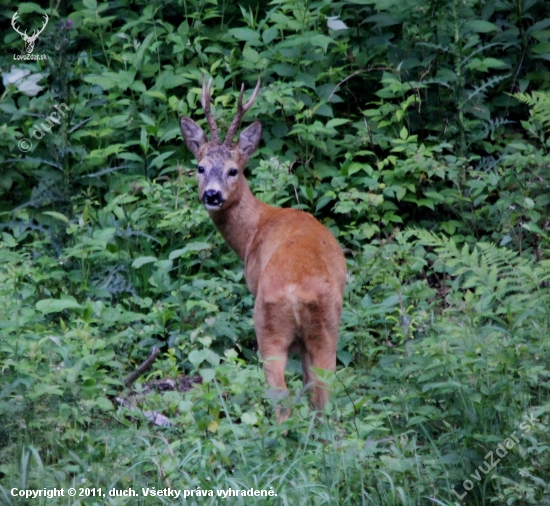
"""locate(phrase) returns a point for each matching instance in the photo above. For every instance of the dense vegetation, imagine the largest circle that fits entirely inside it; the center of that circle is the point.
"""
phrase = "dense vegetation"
(418, 131)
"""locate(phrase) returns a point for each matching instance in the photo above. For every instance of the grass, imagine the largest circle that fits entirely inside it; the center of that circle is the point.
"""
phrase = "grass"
(406, 430)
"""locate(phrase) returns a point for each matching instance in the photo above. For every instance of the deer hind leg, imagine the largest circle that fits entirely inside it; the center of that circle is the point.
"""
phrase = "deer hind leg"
(274, 339)
(274, 369)
(307, 377)
(321, 354)
(320, 339)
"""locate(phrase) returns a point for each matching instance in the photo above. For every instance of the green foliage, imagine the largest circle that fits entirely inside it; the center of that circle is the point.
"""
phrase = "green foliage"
(417, 132)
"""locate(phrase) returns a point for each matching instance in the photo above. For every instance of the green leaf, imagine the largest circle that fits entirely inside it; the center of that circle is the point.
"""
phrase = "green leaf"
(191, 247)
(480, 26)
(337, 122)
(324, 110)
(250, 54)
(57, 216)
(382, 19)
(305, 80)
(249, 418)
(366, 301)
(323, 201)
(285, 70)
(190, 304)
(495, 64)
(131, 156)
(320, 40)
(56, 305)
(542, 48)
(138, 262)
(103, 236)
(156, 94)
(107, 80)
(426, 202)
(185, 406)
(158, 161)
(197, 357)
(40, 389)
(400, 193)
(392, 300)
(104, 404)
(147, 120)
(246, 34)
(345, 357)
(125, 78)
(269, 34)
(170, 134)
(207, 375)
(539, 26)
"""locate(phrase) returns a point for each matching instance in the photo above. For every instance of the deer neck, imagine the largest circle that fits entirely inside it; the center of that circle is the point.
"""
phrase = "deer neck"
(238, 223)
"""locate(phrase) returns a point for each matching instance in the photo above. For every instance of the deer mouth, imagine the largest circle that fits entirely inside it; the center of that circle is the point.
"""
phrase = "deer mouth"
(214, 207)
(213, 200)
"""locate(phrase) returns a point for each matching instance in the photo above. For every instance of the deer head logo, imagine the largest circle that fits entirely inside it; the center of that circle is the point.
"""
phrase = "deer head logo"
(30, 40)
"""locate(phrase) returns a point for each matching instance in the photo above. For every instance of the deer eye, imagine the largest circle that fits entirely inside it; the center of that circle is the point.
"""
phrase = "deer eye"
(233, 172)
(200, 169)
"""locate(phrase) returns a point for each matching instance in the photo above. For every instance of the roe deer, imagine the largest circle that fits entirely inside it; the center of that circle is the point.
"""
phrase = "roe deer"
(293, 265)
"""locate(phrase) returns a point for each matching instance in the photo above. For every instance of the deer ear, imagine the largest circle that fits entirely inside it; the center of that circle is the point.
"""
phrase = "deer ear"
(250, 138)
(193, 134)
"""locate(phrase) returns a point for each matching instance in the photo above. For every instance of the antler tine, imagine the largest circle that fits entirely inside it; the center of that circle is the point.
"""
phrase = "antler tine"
(205, 101)
(15, 16)
(40, 30)
(248, 105)
(204, 98)
(241, 110)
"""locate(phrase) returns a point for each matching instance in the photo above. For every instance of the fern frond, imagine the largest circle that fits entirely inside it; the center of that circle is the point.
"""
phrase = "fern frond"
(539, 105)
(505, 283)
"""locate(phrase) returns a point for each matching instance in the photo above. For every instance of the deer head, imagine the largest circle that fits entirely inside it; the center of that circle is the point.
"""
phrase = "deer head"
(221, 165)
(29, 40)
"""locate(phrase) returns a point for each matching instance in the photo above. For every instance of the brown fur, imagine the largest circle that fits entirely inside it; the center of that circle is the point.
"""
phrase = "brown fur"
(293, 265)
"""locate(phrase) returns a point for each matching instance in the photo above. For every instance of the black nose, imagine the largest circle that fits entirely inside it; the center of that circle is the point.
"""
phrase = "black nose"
(212, 198)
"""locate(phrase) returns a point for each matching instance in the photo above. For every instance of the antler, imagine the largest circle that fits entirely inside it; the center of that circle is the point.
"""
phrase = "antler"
(241, 110)
(37, 32)
(15, 16)
(205, 101)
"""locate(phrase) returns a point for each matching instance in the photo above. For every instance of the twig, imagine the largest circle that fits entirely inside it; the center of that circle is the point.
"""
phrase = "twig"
(105, 171)
(295, 189)
(355, 74)
(131, 378)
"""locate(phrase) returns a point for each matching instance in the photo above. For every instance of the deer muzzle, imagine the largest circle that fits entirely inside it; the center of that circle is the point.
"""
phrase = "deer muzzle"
(213, 198)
